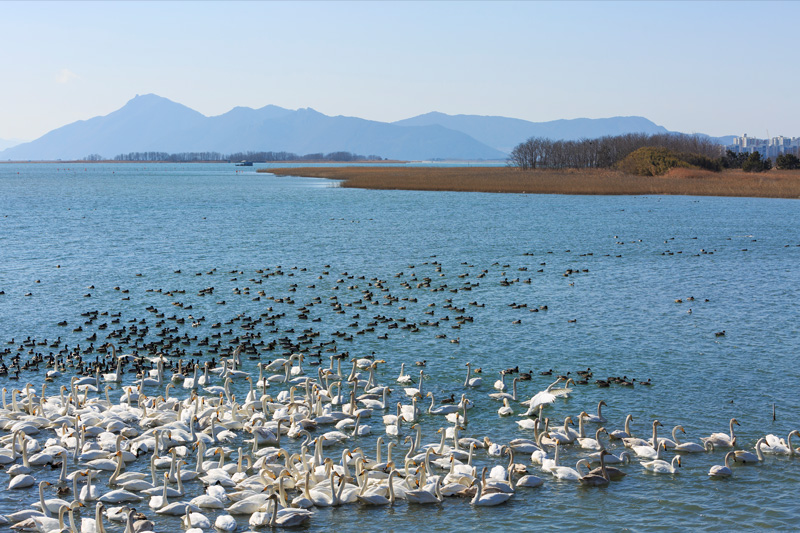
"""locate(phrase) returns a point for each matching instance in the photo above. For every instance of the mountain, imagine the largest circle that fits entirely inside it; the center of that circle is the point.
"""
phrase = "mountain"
(504, 133)
(152, 123)
(8, 143)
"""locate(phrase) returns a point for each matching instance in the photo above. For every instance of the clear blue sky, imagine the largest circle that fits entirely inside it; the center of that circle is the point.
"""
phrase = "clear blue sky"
(712, 67)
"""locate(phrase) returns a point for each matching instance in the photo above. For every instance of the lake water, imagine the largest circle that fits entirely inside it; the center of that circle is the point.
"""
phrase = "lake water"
(733, 262)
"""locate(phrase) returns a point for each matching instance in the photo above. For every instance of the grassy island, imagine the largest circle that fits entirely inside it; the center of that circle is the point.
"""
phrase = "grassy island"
(678, 181)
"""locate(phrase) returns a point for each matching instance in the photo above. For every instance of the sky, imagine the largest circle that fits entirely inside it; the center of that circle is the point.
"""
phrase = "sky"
(720, 68)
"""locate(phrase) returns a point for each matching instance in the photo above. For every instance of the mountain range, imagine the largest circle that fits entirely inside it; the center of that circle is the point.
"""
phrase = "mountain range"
(153, 123)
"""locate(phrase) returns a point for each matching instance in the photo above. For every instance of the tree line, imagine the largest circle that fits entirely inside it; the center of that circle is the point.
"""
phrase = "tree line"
(256, 157)
(604, 152)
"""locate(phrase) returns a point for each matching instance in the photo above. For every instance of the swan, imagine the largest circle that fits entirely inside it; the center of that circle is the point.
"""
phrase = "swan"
(745, 457)
(423, 496)
(191, 519)
(506, 410)
(225, 522)
(119, 496)
(662, 467)
(442, 409)
(288, 517)
(500, 384)
(490, 499)
(472, 382)
(504, 395)
(378, 499)
(89, 491)
(411, 391)
(21, 481)
(639, 445)
(89, 525)
(598, 418)
(619, 434)
(565, 473)
(46, 524)
(721, 440)
(594, 480)
(545, 397)
(403, 379)
(723, 471)
(529, 481)
(778, 446)
(48, 506)
(691, 447)
(592, 444)
(648, 452)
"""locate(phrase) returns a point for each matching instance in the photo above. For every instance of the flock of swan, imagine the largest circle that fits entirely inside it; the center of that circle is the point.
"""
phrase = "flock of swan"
(299, 438)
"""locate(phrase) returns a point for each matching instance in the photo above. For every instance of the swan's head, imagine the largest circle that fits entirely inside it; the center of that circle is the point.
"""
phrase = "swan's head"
(679, 461)
(681, 428)
(602, 402)
(734, 421)
(656, 423)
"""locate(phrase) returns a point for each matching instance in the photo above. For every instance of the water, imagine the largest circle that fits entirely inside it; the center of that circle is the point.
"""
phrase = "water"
(66, 227)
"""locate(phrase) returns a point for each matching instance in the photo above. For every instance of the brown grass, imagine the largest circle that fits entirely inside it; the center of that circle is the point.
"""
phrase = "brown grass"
(680, 181)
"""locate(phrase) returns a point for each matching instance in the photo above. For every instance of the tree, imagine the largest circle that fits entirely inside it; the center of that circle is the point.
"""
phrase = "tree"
(754, 163)
(732, 159)
(787, 162)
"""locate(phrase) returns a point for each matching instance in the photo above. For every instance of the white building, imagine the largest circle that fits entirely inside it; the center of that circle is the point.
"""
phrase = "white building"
(766, 147)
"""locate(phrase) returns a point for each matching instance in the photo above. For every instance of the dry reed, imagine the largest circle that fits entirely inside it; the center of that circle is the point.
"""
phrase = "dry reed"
(679, 181)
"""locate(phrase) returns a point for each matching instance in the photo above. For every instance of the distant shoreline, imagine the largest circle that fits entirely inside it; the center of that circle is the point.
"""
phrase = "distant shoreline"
(114, 161)
(679, 181)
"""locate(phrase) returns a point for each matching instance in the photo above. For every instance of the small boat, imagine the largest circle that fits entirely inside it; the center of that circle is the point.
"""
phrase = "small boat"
(244, 164)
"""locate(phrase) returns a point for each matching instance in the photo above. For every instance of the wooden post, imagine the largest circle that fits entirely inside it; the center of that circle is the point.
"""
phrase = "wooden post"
(773, 412)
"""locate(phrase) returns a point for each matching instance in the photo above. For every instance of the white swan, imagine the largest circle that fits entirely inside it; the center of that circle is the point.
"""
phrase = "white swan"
(721, 440)
(723, 471)
(472, 382)
(598, 418)
(745, 457)
(777, 446)
(619, 434)
(489, 500)
(423, 496)
(662, 467)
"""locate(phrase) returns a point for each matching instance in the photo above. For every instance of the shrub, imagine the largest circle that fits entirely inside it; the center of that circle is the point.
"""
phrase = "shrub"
(701, 161)
(650, 161)
(754, 163)
(787, 162)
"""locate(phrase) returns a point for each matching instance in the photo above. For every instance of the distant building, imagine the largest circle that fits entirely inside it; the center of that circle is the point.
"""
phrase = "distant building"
(771, 148)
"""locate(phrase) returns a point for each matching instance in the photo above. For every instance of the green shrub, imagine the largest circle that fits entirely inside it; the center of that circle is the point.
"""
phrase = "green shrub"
(754, 163)
(787, 162)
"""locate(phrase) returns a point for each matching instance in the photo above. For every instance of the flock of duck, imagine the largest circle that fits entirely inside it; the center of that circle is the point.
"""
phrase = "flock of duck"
(262, 421)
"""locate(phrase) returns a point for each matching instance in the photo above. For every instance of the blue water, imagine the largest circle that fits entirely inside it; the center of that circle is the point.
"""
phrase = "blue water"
(66, 227)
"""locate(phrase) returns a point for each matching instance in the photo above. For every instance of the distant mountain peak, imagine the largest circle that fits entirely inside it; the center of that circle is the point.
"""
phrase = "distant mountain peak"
(149, 122)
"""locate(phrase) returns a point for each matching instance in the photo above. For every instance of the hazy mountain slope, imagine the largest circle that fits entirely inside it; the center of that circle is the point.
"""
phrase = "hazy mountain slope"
(505, 133)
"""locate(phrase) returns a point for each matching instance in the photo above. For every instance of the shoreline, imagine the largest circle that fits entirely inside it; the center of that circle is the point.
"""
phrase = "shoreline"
(114, 161)
(679, 181)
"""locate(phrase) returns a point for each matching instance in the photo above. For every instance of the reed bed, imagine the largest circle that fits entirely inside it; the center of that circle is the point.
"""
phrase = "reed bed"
(679, 181)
